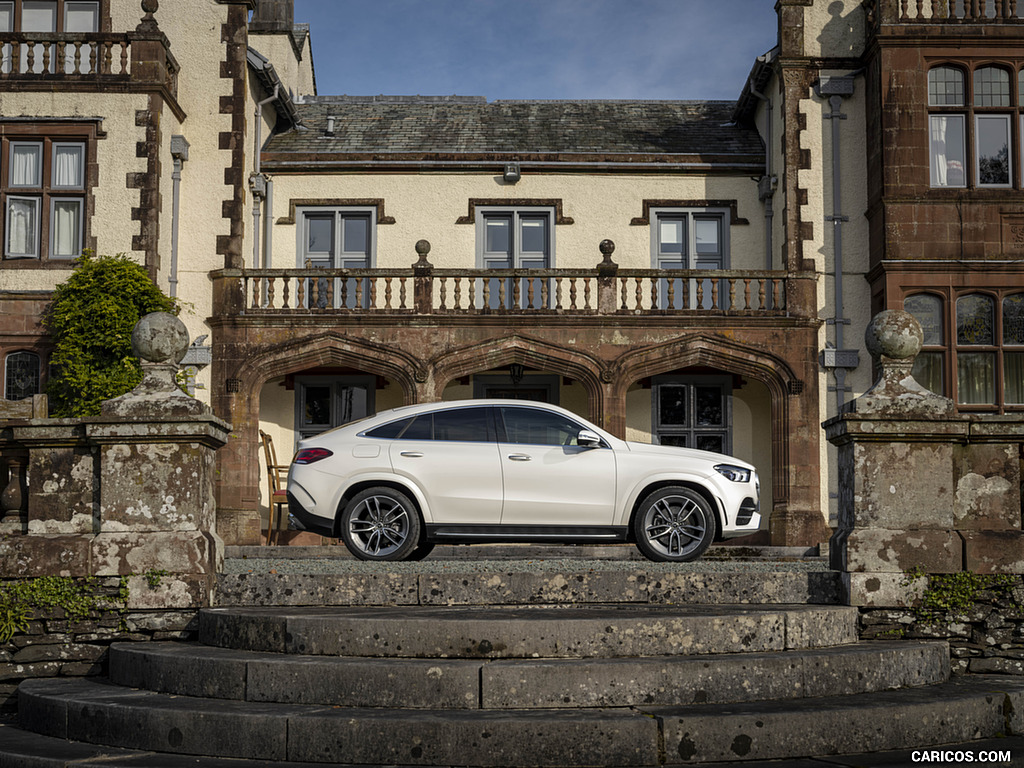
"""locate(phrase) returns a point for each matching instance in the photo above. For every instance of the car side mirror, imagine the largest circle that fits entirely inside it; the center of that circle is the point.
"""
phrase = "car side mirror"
(588, 439)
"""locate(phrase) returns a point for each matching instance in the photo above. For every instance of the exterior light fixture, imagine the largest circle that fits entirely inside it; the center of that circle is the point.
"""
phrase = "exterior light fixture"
(511, 173)
(515, 372)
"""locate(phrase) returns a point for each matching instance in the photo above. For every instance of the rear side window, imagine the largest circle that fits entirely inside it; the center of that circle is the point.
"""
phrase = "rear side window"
(468, 425)
(390, 430)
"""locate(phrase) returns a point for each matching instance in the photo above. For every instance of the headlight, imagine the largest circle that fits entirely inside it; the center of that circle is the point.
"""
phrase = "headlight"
(734, 473)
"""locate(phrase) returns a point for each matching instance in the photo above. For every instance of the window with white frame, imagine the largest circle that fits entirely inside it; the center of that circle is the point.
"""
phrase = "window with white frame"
(515, 238)
(337, 238)
(688, 239)
(43, 193)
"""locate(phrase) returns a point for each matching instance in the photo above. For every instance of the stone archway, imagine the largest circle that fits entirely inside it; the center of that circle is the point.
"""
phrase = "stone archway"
(527, 351)
(794, 438)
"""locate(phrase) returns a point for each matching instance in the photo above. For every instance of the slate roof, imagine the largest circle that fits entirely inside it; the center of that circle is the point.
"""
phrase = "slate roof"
(631, 131)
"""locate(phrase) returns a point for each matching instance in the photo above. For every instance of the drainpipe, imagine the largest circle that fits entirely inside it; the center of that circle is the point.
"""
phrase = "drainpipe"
(257, 181)
(179, 151)
(838, 359)
(766, 184)
(268, 225)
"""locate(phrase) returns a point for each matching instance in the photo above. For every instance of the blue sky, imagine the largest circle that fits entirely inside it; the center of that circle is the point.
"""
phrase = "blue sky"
(538, 49)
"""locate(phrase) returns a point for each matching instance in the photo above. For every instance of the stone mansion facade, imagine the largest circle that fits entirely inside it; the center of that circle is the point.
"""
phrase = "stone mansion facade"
(695, 273)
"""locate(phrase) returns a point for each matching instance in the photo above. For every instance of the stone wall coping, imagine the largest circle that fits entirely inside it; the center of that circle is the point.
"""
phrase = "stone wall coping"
(958, 428)
(208, 430)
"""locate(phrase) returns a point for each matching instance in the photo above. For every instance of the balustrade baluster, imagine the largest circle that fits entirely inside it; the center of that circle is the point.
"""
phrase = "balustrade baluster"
(746, 294)
(387, 293)
(329, 288)
(46, 58)
(671, 304)
(402, 292)
(270, 293)
(903, 10)
(714, 293)
(62, 55)
(76, 59)
(558, 293)
(586, 293)
(654, 293)
(529, 294)
(359, 293)
(572, 293)
(373, 292)
(300, 289)
(487, 294)
(255, 292)
(124, 58)
(920, 9)
(732, 293)
(1013, 10)
(344, 293)
(516, 294)
(93, 59)
(30, 58)
(686, 294)
(108, 57)
(761, 291)
(472, 295)
(638, 294)
(543, 294)
(501, 294)
(623, 292)
(285, 292)
(700, 294)
(443, 292)
(458, 293)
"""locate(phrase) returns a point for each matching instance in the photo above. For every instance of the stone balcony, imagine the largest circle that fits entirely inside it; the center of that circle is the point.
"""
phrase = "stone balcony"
(946, 11)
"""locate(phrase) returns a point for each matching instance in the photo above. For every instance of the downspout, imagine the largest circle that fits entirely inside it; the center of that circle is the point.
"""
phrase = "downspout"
(179, 151)
(838, 359)
(268, 224)
(767, 183)
(257, 182)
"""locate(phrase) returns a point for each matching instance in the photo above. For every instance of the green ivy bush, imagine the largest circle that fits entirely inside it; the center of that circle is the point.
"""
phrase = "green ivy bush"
(91, 320)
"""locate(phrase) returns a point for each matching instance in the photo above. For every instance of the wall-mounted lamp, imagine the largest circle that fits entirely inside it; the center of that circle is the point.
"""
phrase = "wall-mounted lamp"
(515, 372)
(511, 173)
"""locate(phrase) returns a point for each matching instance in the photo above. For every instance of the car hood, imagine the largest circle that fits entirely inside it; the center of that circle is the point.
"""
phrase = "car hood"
(686, 453)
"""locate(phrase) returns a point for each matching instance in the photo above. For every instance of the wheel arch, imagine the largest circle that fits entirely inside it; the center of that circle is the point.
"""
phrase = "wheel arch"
(361, 485)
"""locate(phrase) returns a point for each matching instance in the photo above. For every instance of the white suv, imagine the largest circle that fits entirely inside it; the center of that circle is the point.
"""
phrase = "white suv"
(393, 485)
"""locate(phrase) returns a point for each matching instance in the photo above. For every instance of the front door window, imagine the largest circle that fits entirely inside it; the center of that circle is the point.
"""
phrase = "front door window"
(692, 412)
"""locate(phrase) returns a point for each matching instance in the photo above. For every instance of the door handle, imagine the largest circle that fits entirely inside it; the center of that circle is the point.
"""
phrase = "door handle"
(411, 454)
(519, 457)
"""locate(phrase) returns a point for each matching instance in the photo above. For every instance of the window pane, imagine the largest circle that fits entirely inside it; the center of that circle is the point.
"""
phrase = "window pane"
(531, 427)
(1013, 378)
(81, 17)
(22, 375)
(947, 149)
(351, 403)
(22, 227)
(709, 406)
(498, 234)
(463, 424)
(927, 310)
(394, 429)
(671, 236)
(708, 235)
(320, 234)
(993, 142)
(534, 238)
(26, 165)
(714, 443)
(68, 166)
(66, 240)
(39, 16)
(318, 405)
(976, 378)
(356, 232)
(1013, 319)
(928, 371)
(421, 429)
(991, 87)
(678, 441)
(974, 320)
(946, 87)
(672, 406)
(6, 17)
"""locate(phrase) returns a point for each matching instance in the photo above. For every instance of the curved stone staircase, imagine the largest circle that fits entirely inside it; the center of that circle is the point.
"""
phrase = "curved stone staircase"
(522, 681)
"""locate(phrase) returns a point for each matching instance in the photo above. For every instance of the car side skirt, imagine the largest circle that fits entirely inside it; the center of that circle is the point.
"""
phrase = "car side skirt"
(495, 534)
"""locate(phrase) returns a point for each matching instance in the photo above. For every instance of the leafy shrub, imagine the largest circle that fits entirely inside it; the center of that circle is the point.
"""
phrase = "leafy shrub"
(91, 320)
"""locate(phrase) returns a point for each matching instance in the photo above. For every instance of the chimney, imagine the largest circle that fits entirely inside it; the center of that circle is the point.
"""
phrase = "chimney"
(273, 16)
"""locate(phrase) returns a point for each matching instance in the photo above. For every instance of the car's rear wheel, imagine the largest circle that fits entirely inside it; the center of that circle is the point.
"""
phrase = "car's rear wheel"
(674, 524)
(381, 524)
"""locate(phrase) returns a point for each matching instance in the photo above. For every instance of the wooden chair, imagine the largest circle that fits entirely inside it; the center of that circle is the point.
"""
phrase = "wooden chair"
(277, 480)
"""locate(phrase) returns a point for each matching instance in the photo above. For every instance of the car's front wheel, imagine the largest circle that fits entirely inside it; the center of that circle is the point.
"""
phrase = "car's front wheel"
(674, 524)
(381, 524)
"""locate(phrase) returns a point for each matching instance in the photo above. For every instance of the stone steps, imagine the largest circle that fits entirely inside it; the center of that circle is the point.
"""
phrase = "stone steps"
(528, 632)
(91, 711)
(218, 673)
(431, 585)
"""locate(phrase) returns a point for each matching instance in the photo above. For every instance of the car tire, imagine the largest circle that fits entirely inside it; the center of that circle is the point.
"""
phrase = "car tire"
(674, 524)
(425, 548)
(381, 523)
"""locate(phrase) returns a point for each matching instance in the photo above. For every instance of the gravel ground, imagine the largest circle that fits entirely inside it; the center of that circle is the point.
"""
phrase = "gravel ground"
(347, 565)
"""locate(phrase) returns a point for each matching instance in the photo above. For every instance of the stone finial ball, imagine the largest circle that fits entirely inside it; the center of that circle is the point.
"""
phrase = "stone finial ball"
(150, 6)
(160, 337)
(895, 334)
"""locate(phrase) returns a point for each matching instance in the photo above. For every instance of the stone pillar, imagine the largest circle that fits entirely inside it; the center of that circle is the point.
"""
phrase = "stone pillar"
(920, 486)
